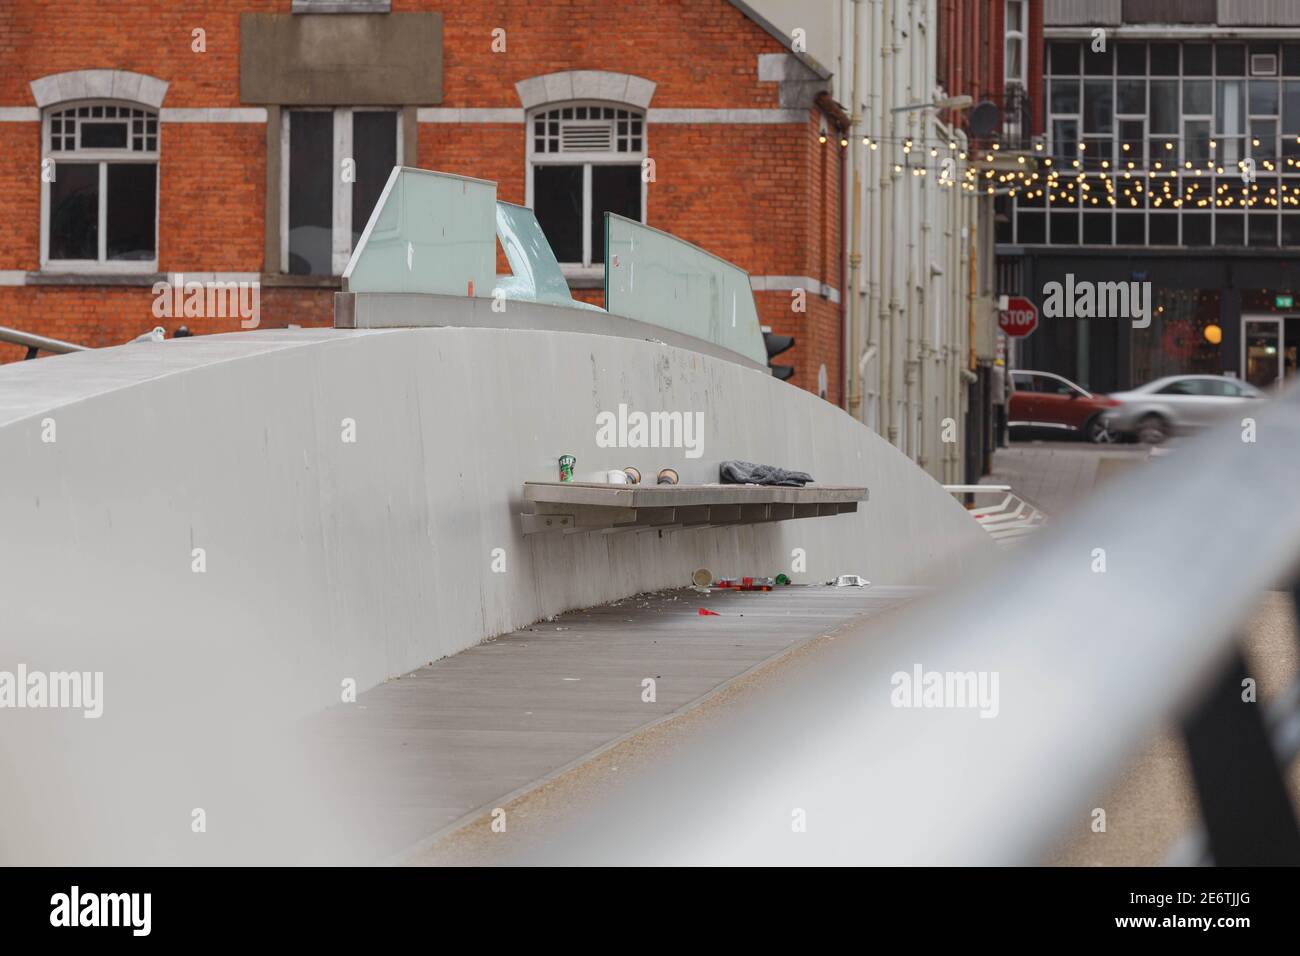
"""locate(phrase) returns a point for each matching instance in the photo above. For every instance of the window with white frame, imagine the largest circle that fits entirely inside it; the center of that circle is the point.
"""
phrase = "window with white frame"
(1016, 69)
(100, 192)
(584, 160)
(334, 164)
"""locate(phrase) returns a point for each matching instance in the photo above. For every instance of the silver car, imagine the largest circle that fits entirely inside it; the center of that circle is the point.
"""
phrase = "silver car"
(1177, 404)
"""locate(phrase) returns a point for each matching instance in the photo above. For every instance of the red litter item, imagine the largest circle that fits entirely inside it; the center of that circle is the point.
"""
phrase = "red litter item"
(705, 612)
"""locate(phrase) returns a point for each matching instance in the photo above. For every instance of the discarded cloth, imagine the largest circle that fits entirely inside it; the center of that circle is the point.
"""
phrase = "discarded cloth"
(748, 473)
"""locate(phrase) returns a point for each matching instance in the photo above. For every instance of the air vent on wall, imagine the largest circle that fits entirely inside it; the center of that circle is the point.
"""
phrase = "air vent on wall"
(1263, 64)
(577, 137)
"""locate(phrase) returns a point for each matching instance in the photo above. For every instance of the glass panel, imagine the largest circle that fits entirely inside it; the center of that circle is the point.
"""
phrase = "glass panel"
(1064, 58)
(1032, 228)
(132, 189)
(1132, 141)
(1263, 364)
(1098, 106)
(656, 278)
(311, 192)
(1198, 97)
(557, 200)
(1099, 62)
(103, 136)
(433, 233)
(1065, 96)
(1164, 106)
(74, 211)
(1132, 97)
(1065, 140)
(1196, 59)
(1132, 59)
(1263, 139)
(1130, 230)
(1291, 59)
(374, 147)
(615, 189)
(1164, 59)
(1196, 141)
(1230, 112)
(536, 273)
(1229, 59)
(1263, 97)
(1291, 107)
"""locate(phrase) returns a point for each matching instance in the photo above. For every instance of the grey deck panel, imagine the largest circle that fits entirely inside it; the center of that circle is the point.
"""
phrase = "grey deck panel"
(426, 752)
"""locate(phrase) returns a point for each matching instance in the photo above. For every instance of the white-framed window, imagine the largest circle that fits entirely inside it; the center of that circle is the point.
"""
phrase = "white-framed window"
(334, 163)
(584, 159)
(99, 187)
(1017, 46)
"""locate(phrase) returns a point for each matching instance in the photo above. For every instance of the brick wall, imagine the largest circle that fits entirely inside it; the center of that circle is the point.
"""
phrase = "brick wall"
(764, 196)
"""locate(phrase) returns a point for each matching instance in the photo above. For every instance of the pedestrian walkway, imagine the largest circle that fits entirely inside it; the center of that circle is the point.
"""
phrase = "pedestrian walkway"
(418, 756)
(1055, 476)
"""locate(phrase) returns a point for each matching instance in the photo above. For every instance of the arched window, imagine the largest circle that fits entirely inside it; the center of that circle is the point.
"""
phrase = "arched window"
(100, 187)
(584, 159)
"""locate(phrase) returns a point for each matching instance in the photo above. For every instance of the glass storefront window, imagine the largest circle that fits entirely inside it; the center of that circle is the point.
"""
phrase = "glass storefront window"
(1169, 130)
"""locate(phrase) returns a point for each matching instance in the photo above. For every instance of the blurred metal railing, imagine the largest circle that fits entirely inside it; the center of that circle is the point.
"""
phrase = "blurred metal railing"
(37, 343)
(1124, 615)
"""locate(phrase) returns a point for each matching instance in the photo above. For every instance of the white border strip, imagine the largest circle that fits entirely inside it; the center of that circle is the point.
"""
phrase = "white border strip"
(726, 116)
(13, 277)
(243, 114)
(438, 114)
(790, 283)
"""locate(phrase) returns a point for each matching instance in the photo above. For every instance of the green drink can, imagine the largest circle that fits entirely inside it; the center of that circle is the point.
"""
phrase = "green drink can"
(566, 467)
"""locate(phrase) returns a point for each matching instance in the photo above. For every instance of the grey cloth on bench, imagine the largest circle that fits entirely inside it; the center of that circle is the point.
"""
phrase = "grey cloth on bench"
(748, 473)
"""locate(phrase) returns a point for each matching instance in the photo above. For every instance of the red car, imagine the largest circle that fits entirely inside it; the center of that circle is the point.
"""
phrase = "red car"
(1041, 400)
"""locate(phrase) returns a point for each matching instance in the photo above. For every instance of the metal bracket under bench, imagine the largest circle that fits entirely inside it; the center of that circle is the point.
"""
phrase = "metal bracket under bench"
(574, 507)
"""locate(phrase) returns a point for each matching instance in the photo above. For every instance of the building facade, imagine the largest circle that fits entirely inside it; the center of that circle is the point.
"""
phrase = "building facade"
(1174, 137)
(937, 93)
(246, 142)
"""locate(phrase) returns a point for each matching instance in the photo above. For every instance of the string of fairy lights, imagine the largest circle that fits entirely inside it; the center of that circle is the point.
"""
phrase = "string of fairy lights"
(1118, 183)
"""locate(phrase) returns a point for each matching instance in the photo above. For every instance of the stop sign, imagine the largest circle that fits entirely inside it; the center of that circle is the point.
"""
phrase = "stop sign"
(1019, 318)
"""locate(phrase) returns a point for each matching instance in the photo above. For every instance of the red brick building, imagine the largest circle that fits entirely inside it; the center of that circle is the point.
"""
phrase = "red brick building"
(202, 138)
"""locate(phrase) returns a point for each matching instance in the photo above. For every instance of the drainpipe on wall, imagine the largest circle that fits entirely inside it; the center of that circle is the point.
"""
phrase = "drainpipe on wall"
(873, 158)
(887, 194)
(853, 385)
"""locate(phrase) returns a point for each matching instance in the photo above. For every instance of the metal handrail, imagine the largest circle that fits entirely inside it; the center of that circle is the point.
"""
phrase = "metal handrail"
(38, 343)
(1090, 663)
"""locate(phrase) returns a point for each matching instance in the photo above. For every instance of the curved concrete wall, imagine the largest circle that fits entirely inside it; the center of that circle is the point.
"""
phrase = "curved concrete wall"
(383, 548)
(327, 559)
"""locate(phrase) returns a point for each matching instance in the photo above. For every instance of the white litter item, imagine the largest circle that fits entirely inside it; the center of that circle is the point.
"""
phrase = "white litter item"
(850, 581)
